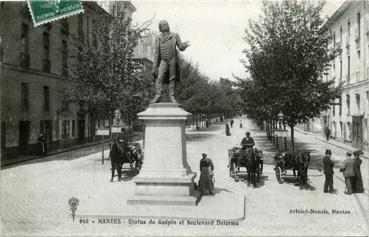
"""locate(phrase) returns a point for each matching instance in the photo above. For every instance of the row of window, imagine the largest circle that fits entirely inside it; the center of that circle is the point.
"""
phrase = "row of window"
(357, 32)
(345, 130)
(24, 98)
(64, 29)
(358, 104)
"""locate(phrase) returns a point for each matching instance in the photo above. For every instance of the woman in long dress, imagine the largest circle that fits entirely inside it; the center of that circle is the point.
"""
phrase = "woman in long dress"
(206, 169)
(357, 186)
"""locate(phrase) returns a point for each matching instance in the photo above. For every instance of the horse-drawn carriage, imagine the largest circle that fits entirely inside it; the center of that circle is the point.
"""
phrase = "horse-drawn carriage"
(249, 158)
(295, 161)
(130, 153)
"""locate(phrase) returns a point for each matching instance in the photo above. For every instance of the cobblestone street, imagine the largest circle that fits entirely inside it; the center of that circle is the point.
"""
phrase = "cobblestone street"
(35, 195)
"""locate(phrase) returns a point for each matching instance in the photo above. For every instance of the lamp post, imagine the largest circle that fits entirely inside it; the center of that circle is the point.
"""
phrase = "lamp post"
(280, 119)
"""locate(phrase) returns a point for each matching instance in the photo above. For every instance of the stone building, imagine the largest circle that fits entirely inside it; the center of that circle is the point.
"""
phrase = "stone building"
(349, 31)
(34, 62)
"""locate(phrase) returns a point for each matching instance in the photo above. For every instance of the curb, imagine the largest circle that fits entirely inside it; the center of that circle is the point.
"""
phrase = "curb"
(50, 154)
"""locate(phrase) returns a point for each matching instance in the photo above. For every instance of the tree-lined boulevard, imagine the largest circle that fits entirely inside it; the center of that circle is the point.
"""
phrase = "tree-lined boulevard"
(37, 203)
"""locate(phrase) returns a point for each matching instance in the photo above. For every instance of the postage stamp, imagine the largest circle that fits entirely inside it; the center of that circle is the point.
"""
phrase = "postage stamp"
(50, 10)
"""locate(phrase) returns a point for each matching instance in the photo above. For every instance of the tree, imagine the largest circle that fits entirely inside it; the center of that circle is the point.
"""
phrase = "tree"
(103, 75)
(287, 57)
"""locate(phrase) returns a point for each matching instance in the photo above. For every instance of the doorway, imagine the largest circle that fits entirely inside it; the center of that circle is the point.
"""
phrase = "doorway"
(24, 133)
(81, 129)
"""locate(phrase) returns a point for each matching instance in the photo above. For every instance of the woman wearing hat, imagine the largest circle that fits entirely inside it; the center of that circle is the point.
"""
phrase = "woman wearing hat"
(357, 186)
(328, 171)
(206, 169)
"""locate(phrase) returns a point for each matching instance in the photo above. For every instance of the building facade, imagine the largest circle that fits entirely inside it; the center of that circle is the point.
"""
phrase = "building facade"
(34, 61)
(349, 31)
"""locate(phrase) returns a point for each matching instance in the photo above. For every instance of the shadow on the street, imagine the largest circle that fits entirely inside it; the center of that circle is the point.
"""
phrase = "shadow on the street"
(307, 187)
(198, 137)
(291, 180)
(128, 175)
(63, 156)
(219, 190)
(208, 129)
(259, 182)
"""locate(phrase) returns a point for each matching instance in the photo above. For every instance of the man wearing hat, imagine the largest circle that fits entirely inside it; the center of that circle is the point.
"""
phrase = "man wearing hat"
(328, 171)
(357, 186)
(247, 142)
(348, 172)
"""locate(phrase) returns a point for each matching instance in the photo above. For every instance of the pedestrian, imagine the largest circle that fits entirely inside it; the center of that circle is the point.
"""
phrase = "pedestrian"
(42, 144)
(115, 159)
(206, 175)
(328, 171)
(227, 130)
(240, 124)
(348, 172)
(357, 186)
(231, 122)
(327, 132)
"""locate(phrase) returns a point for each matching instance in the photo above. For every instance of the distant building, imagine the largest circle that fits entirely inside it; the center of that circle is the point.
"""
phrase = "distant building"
(348, 118)
(34, 62)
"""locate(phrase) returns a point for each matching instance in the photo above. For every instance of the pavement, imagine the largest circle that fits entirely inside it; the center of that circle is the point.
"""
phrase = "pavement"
(35, 197)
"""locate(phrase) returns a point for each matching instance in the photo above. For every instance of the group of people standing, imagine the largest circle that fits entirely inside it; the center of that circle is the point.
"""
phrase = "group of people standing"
(350, 169)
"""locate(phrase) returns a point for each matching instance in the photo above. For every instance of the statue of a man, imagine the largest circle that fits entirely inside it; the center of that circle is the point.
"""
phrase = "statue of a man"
(166, 68)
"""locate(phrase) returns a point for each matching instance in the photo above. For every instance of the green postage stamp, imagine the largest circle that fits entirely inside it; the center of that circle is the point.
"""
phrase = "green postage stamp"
(44, 11)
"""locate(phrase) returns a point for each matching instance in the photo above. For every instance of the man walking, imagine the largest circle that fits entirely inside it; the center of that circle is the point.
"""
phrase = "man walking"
(328, 171)
(348, 172)
(327, 132)
(43, 146)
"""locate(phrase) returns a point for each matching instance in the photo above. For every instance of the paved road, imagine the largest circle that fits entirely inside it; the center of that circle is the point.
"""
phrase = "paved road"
(35, 196)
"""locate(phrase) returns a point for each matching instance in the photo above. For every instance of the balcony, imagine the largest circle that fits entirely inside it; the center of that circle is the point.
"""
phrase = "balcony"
(46, 65)
(25, 60)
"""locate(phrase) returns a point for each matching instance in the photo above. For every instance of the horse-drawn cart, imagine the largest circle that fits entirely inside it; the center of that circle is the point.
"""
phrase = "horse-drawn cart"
(296, 161)
(131, 154)
(249, 159)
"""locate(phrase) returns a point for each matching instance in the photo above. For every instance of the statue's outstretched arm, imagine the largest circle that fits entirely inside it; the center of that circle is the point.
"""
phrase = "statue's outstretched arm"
(181, 46)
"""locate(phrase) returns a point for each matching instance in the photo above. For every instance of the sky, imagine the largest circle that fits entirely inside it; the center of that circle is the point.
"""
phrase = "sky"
(214, 28)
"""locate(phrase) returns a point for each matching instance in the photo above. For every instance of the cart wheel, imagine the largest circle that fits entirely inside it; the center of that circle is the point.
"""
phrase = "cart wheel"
(278, 174)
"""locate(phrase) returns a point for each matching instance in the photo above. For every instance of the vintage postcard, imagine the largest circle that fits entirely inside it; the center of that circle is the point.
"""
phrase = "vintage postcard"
(184, 118)
(46, 11)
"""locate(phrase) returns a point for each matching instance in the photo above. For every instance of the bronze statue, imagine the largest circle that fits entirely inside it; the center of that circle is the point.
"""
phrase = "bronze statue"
(166, 68)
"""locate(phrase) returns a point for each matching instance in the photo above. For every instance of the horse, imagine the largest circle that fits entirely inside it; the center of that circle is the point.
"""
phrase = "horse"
(296, 161)
(303, 158)
(251, 165)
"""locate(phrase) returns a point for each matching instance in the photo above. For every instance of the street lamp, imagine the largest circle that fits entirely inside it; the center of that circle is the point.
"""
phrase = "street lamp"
(280, 119)
(117, 115)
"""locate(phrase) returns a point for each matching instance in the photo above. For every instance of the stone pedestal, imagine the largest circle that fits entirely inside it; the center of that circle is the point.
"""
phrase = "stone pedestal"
(165, 177)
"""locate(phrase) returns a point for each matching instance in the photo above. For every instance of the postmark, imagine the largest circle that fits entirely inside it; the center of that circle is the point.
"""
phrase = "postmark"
(50, 10)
